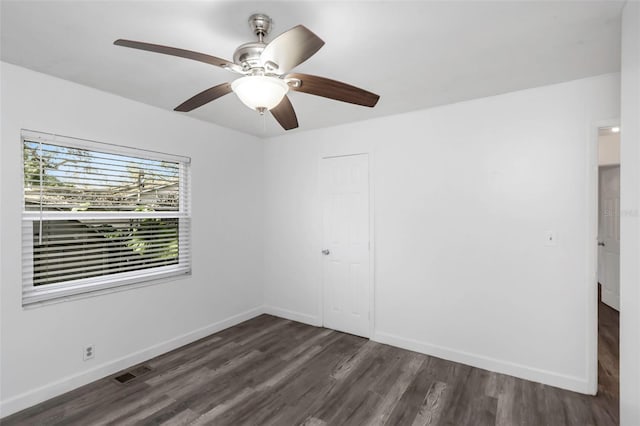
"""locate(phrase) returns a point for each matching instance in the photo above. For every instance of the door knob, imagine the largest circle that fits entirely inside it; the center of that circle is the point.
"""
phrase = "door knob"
(326, 252)
(601, 243)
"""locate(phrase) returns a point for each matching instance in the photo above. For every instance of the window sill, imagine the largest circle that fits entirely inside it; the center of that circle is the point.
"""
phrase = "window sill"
(99, 292)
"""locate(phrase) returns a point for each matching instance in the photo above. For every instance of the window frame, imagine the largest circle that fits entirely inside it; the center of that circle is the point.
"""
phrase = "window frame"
(86, 287)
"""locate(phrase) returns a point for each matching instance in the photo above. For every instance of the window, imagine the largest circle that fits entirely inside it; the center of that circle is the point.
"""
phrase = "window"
(99, 216)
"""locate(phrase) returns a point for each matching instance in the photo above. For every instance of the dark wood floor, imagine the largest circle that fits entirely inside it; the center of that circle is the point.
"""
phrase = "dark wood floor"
(608, 353)
(270, 371)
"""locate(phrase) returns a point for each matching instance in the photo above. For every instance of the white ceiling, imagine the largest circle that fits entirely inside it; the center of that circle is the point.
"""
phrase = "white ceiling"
(414, 54)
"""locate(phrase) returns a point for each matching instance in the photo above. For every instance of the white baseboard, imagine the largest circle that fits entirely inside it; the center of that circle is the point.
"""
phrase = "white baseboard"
(293, 315)
(577, 384)
(50, 390)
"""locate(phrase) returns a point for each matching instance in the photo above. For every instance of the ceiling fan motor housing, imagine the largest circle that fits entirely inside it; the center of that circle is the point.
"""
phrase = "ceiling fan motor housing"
(248, 54)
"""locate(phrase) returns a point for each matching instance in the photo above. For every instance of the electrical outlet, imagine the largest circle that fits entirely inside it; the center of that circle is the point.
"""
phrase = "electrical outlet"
(88, 352)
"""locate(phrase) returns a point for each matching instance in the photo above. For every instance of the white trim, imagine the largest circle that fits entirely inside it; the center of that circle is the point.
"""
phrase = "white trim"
(54, 139)
(591, 253)
(293, 315)
(372, 247)
(89, 287)
(370, 156)
(65, 215)
(577, 384)
(50, 390)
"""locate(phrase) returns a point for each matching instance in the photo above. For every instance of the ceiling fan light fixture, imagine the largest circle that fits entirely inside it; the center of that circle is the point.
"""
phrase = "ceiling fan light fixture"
(259, 92)
(266, 72)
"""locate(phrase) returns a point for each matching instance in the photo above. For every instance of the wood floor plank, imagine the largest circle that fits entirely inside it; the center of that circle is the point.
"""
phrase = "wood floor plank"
(468, 403)
(360, 410)
(431, 408)
(345, 368)
(407, 408)
(505, 415)
(118, 398)
(131, 413)
(169, 373)
(312, 421)
(279, 376)
(277, 372)
(271, 372)
(176, 412)
(182, 418)
(306, 380)
(308, 391)
(390, 399)
(338, 400)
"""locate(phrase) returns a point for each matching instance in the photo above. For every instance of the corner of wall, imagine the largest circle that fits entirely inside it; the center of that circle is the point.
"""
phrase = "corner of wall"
(630, 217)
(293, 315)
(576, 384)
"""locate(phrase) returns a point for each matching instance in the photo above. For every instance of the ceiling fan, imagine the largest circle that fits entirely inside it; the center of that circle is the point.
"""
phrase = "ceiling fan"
(265, 70)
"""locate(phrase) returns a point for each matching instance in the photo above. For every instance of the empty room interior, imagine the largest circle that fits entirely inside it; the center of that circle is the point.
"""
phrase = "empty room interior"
(320, 213)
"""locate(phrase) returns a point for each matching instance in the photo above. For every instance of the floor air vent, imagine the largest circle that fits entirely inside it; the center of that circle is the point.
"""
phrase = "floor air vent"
(124, 378)
(128, 376)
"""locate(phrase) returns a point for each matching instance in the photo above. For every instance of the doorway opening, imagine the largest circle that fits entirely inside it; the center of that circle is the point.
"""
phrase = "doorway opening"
(608, 262)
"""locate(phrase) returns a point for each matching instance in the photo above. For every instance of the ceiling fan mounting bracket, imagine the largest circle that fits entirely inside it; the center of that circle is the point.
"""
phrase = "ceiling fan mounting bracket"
(260, 24)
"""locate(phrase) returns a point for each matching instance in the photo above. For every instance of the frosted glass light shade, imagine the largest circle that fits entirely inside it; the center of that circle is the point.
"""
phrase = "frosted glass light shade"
(257, 91)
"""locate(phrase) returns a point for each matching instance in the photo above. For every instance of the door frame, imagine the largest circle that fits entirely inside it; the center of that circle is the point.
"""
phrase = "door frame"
(602, 251)
(591, 251)
(321, 287)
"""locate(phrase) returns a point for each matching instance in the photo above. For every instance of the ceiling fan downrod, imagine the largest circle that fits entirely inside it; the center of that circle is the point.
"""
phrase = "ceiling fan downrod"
(260, 24)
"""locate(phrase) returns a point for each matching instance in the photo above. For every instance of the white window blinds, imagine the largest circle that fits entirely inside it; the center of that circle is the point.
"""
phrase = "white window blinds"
(98, 216)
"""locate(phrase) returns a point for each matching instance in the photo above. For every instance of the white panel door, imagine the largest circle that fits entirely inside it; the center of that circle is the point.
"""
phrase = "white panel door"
(609, 235)
(345, 255)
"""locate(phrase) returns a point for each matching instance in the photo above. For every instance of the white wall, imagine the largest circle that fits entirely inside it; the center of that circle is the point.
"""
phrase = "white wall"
(463, 196)
(42, 347)
(630, 218)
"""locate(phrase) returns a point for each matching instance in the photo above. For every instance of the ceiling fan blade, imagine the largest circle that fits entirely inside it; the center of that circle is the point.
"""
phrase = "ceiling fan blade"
(285, 115)
(291, 48)
(174, 51)
(333, 89)
(204, 97)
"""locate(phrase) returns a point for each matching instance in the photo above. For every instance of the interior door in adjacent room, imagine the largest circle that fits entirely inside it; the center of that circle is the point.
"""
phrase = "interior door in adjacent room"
(346, 243)
(609, 235)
